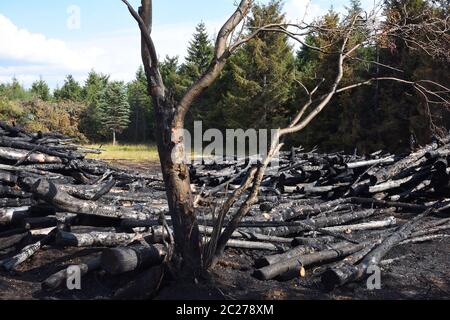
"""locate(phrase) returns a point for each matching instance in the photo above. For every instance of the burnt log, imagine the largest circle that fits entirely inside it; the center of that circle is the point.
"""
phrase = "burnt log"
(8, 178)
(24, 156)
(320, 223)
(13, 240)
(50, 192)
(27, 252)
(12, 215)
(297, 251)
(368, 163)
(59, 279)
(94, 239)
(389, 222)
(143, 287)
(30, 223)
(137, 257)
(298, 262)
(348, 272)
(18, 144)
(387, 204)
(313, 209)
(17, 202)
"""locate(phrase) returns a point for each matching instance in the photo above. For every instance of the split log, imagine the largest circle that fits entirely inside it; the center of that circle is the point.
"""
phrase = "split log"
(50, 192)
(27, 252)
(94, 239)
(126, 259)
(298, 262)
(368, 163)
(252, 245)
(59, 279)
(31, 157)
(13, 143)
(43, 232)
(391, 221)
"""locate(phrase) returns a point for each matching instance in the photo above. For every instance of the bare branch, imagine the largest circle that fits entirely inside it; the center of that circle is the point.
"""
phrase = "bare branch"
(221, 54)
(145, 30)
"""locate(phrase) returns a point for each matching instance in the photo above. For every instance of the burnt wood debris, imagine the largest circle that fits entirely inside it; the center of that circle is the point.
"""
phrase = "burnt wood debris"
(335, 212)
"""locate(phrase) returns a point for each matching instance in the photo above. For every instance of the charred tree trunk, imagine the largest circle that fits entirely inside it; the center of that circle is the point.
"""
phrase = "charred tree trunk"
(171, 154)
(177, 181)
(170, 118)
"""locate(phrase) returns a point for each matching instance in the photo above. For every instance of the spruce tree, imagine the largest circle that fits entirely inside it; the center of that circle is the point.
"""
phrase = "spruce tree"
(199, 53)
(115, 109)
(71, 90)
(15, 90)
(260, 76)
(176, 79)
(41, 90)
(141, 116)
(92, 95)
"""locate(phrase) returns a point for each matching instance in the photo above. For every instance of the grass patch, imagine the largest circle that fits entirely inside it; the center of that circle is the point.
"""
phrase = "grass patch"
(138, 153)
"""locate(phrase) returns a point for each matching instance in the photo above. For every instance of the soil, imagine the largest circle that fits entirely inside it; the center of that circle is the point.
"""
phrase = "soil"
(423, 274)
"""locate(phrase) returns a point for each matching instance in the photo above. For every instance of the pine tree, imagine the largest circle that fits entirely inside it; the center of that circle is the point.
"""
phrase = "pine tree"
(92, 95)
(176, 79)
(141, 116)
(199, 53)
(15, 90)
(260, 76)
(115, 109)
(71, 90)
(41, 90)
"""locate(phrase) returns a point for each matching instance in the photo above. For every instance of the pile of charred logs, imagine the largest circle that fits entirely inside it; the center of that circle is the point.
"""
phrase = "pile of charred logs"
(51, 194)
(337, 213)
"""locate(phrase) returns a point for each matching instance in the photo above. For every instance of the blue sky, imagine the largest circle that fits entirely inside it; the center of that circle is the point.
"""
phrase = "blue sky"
(36, 40)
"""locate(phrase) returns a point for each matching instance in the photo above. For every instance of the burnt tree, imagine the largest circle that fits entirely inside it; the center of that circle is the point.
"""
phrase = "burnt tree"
(170, 117)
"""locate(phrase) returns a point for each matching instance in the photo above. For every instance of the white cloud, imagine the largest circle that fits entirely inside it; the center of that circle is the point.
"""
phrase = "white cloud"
(116, 53)
(20, 44)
